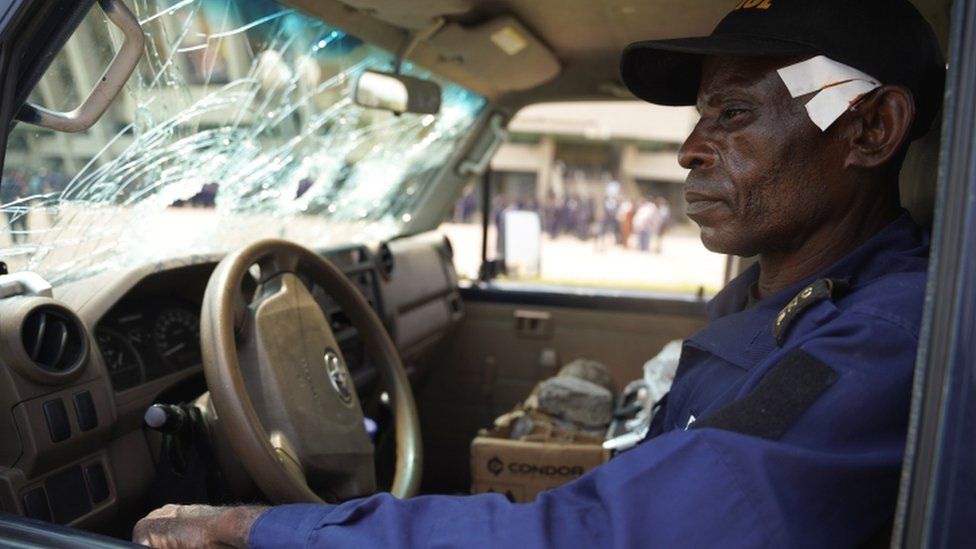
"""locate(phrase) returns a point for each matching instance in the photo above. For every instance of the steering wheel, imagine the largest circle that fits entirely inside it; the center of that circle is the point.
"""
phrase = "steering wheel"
(280, 386)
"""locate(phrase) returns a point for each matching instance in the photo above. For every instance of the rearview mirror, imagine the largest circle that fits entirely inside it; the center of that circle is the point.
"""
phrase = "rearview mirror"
(397, 93)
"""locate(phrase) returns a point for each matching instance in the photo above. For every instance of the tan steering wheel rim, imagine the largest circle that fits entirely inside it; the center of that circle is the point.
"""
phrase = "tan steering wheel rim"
(223, 312)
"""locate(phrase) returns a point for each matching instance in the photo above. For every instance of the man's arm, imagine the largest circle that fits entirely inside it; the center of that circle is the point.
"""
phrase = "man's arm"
(645, 496)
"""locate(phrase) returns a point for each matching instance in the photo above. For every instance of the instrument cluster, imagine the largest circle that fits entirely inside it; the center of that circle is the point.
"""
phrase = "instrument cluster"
(145, 341)
(154, 330)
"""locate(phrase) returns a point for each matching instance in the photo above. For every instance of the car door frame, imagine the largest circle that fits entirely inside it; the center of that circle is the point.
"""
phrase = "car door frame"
(941, 404)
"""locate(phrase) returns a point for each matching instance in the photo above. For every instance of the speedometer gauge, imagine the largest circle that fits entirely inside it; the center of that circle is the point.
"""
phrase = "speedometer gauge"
(177, 337)
(125, 366)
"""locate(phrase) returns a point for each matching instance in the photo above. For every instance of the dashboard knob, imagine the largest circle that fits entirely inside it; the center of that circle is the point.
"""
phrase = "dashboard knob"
(165, 418)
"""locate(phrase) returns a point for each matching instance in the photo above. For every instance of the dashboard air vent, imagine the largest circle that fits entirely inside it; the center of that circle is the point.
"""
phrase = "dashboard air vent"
(53, 339)
(384, 259)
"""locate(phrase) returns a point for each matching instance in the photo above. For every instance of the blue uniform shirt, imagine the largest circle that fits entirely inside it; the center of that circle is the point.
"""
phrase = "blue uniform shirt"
(828, 478)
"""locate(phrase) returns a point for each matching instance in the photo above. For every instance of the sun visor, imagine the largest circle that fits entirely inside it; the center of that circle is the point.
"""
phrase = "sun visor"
(415, 15)
(501, 51)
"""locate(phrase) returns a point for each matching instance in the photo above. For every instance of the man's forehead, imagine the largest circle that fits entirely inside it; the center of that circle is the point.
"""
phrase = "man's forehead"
(754, 74)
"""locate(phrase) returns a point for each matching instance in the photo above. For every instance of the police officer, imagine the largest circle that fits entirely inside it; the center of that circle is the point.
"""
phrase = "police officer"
(786, 424)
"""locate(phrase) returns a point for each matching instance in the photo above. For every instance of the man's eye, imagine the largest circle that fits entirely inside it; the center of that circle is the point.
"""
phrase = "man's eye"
(732, 114)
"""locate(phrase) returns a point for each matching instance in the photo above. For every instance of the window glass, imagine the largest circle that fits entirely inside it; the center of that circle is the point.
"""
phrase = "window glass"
(590, 195)
(238, 124)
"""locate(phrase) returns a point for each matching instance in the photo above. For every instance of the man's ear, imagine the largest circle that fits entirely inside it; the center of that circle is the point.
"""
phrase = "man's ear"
(879, 126)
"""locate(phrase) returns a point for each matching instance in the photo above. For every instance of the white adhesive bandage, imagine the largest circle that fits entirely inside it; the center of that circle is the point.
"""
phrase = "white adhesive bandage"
(839, 87)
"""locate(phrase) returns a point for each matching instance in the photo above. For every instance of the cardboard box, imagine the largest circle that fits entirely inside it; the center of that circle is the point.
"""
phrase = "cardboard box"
(520, 469)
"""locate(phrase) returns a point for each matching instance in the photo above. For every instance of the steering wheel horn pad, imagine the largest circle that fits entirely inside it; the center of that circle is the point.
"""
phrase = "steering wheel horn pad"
(280, 385)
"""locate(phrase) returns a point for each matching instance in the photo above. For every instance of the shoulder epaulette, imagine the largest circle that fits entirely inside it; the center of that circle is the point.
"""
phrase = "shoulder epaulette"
(818, 290)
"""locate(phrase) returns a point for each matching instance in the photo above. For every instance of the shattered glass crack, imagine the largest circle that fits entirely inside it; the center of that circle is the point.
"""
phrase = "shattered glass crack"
(237, 125)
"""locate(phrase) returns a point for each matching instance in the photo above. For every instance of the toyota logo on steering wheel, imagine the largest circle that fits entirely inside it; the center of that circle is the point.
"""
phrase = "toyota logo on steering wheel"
(338, 376)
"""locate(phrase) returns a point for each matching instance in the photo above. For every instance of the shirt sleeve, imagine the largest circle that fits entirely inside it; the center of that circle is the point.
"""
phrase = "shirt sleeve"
(631, 501)
(705, 488)
(830, 481)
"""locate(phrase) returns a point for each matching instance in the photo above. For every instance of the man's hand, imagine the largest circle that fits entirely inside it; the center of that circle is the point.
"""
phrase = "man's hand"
(174, 526)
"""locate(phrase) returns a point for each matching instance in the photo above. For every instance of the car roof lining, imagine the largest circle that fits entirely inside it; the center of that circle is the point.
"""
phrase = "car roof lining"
(586, 36)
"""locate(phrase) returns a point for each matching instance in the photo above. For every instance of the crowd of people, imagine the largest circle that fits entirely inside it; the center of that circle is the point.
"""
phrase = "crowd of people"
(638, 223)
(17, 186)
(644, 220)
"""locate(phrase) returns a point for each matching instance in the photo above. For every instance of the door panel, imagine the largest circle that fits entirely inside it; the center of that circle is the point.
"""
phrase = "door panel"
(510, 340)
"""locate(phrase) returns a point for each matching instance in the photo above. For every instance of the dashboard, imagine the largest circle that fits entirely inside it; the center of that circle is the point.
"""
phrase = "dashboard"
(154, 330)
(78, 370)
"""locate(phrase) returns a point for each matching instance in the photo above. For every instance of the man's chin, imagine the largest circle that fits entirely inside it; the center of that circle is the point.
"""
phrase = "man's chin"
(724, 242)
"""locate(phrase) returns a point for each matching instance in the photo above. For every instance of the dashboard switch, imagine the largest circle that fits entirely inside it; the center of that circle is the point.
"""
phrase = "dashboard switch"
(68, 495)
(35, 505)
(97, 483)
(85, 408)
(57, 420)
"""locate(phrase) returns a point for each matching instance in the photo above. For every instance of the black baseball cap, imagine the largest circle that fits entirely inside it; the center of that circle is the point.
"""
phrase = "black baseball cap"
(887, 39)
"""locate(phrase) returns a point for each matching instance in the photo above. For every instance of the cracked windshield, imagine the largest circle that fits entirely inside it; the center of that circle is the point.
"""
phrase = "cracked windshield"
(238, 124)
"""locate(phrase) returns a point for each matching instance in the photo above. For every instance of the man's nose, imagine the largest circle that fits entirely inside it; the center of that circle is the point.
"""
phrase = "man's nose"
(697, 151)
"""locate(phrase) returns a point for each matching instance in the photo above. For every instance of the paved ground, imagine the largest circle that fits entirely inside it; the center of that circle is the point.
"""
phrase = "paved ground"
(682, 266)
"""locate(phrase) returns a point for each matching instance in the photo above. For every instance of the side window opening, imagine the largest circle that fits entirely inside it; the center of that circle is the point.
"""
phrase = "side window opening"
(588, 195)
